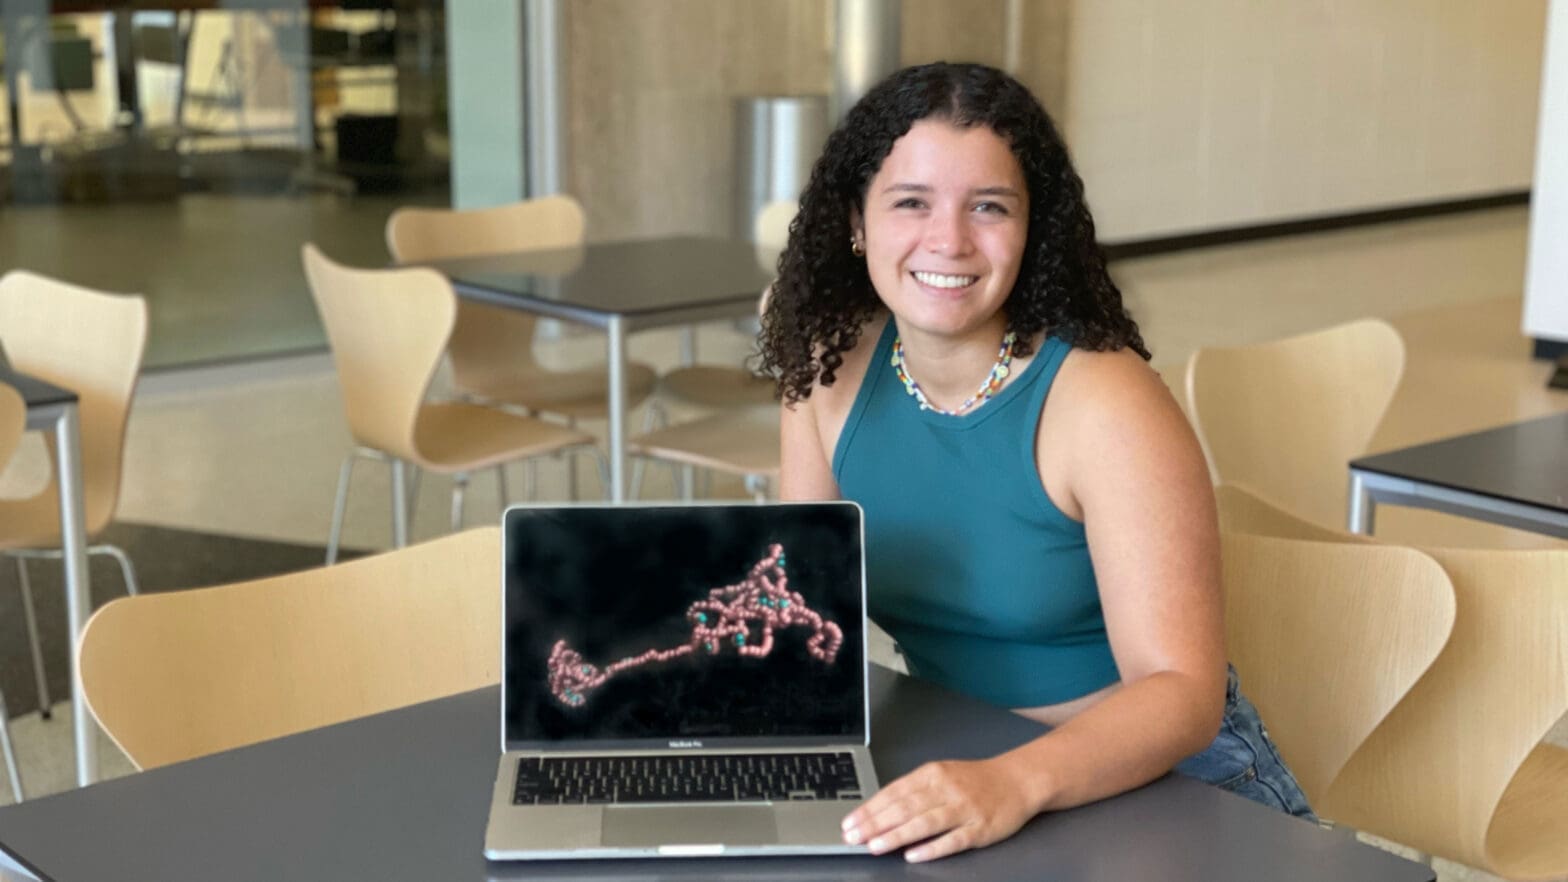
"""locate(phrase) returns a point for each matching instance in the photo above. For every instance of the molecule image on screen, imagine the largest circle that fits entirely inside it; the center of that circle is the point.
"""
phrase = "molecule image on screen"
(739, 618)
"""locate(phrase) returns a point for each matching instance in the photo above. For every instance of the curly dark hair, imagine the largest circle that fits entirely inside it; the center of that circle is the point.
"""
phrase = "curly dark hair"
(823, 296)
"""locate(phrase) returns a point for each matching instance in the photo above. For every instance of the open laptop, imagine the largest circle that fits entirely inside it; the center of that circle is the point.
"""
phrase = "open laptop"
(681, 680)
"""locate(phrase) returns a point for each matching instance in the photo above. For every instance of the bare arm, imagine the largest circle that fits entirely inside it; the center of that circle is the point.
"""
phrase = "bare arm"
(804, 471)
(809, 430)
(1139, 479)
(1136, 476)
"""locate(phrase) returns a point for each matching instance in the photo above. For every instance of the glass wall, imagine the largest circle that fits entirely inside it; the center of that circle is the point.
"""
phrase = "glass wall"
(187, 153)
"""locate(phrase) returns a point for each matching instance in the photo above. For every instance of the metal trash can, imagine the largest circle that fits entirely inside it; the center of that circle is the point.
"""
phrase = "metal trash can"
(777, 140)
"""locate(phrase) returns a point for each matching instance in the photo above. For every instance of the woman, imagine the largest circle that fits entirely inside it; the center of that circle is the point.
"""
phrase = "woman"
(1040, 527)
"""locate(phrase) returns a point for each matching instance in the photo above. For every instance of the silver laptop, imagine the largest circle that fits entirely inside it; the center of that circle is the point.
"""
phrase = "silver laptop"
(681, 680)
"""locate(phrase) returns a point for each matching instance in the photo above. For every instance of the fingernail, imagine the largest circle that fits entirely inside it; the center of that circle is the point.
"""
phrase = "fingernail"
(852, 836)
(877, 844)
(914, 855)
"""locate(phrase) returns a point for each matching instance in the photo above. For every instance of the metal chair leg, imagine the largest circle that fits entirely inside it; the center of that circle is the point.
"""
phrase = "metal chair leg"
(399, 504)
(30, 616)
(459, 491)
(656, 417)
(688, 482)
(653, 415)
(12, 768)
(758, 487)
(503, 496)
(530, 468)
(634, 483)
(126, 569)
(571, 467)
(415, 481)
(339, 507)
(39, 677)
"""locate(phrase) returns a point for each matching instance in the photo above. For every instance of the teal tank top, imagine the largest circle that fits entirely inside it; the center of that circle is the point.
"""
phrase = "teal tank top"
(985, 584)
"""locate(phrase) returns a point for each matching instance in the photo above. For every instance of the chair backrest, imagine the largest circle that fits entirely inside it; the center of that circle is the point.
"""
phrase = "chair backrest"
(490, 346)
(770, 232)
(13, 421)
(387, 329)
(89, 342)
(1284, 418)
(771, 229)
(1435, 772)
(548, 222)
(1328, 638)
(181, 674)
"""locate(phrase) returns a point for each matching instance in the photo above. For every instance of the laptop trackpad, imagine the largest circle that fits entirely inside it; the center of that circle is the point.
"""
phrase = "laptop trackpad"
(636, 826)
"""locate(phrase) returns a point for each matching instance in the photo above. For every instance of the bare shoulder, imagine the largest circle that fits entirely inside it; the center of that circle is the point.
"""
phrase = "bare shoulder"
(832, 404)
(810, 429)
(1097, 390)
(1110, 425)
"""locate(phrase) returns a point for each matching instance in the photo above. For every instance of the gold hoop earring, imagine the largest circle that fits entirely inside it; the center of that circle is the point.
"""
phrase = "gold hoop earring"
(856, 248)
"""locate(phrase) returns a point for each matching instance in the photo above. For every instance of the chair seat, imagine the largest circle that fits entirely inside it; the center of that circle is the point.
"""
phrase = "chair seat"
(742, 443)
(716, 386)
(579, 394)
(1526, 838)
(458, 437)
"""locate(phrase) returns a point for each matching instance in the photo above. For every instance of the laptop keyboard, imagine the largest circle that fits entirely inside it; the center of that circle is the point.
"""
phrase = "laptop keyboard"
(763, 777)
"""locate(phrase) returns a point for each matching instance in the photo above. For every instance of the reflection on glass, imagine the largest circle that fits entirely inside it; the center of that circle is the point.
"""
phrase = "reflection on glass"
(186, 153)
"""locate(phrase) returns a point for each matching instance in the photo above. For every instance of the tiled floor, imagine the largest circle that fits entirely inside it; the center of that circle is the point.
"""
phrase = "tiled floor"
(255, 450)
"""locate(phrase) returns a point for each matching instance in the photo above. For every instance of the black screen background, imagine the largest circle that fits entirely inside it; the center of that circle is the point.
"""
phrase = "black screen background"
(614, 582)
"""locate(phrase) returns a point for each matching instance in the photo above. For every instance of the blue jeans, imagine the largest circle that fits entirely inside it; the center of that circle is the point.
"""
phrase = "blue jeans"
(1244, 761)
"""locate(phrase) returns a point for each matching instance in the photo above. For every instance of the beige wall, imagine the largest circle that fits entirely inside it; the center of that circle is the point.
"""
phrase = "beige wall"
(1214, 113)
(651, 90)
(652, 84)
(1183, 116)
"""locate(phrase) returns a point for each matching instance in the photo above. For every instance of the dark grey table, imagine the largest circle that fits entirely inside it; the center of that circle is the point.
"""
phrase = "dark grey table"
(1515, 475)
(621, 287)
(404, 796)
(53, 409)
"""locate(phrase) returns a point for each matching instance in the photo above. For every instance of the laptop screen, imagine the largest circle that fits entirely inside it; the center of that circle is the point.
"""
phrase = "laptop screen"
(684, 623)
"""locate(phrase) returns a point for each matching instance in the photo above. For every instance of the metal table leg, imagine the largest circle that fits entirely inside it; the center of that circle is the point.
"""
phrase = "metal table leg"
(78, 603)
(1362, 506)
(616, 356)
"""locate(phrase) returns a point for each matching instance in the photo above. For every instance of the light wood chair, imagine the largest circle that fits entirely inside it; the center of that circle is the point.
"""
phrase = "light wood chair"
(91, 343)
(721, 387)
(388, 330)
(181, 674)
(13, 420)
(1328, 638)
(1502, 814)
(736, 442)
(771, 230)
(1459, 768)
(492, 349)
(1285, 417)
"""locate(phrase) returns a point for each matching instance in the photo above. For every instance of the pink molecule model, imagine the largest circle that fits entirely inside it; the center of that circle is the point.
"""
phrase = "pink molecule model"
(724, 621)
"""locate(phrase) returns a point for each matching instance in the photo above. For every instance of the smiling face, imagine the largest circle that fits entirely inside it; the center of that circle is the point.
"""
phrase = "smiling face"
(944, 227)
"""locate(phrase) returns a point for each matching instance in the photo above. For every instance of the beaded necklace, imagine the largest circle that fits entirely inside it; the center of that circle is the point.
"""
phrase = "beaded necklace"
(989, 387)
